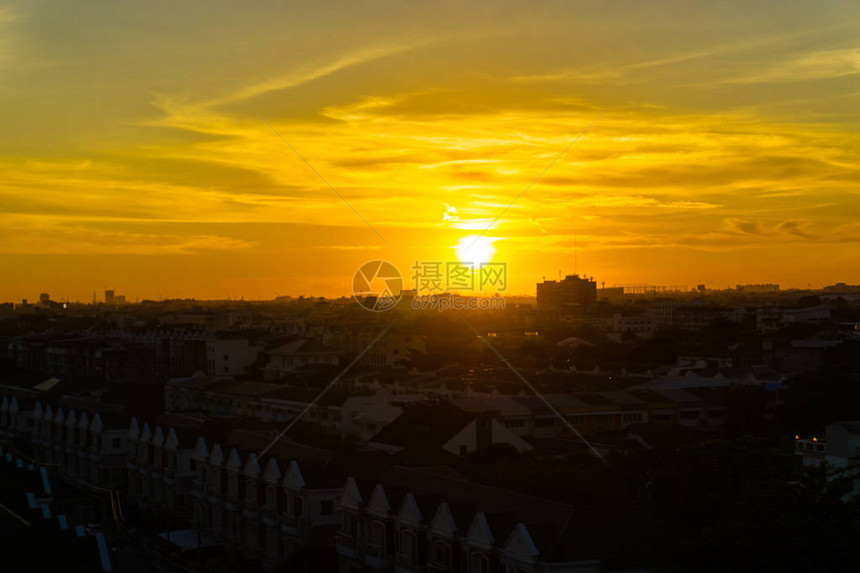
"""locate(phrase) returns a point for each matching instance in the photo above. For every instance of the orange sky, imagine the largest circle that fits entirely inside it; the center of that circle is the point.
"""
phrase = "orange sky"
(134, 152)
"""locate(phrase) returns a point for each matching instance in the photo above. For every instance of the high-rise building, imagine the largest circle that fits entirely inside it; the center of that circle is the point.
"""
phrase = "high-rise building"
(571, 294)
(109, 297)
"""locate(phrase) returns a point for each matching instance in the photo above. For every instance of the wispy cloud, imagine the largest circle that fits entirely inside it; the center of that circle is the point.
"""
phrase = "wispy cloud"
(818, 65)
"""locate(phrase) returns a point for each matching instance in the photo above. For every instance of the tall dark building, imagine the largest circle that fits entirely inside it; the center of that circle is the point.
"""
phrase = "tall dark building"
(571, 294)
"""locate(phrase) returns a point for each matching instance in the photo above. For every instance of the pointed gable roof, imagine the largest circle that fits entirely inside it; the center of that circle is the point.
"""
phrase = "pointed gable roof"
(378, 504)
(158, 436)
(234, 461)
(171, 442)
(293, 479)
(146, 433)
(59, 416)
(272, 473)
(252, 466)
(84, 421)
(217, 457)
(201, 450)
(97, 425)
(71, 419)
(133, 429)
(351, 496)
(443, 523)
(520, 542)
(479, 532)
(37, 409)
(409, 510)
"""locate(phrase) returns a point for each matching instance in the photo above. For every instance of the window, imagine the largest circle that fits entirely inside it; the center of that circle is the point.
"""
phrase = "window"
(116, 443)
(408, 546)
(349, 524)
(544, 423)
(479, 564)
(464, 450)
(377, 535)
(326, 507)
(442, 554)
(690, 415)
(577, 420)
(194, 465)
(297, 506)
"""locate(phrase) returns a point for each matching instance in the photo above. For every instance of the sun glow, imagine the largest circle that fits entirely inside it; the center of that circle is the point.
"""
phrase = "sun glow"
(475, 249)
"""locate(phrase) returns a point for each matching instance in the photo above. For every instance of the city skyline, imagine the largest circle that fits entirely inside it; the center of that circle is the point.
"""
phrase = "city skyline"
(668, 145)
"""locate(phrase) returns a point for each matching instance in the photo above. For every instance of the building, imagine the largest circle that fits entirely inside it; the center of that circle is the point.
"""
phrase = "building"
(843, 449)
(573, 294)
(642, 326)
(410, 520)
(232, 353)
(288, 357)
(763, 288)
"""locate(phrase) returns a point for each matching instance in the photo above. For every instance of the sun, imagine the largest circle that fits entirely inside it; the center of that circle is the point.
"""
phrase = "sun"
(476, 249)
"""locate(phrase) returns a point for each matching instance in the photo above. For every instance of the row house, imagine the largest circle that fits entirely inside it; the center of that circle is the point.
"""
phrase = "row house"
(16, 415)
(261, 509)
(160, 468)
(413, 521)
(88, 446)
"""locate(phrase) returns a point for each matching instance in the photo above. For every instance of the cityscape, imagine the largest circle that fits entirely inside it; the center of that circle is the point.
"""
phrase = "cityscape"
(444, 287)
(578, 430)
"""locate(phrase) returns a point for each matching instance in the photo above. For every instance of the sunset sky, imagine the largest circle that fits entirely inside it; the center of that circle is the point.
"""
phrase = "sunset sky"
(136, 150)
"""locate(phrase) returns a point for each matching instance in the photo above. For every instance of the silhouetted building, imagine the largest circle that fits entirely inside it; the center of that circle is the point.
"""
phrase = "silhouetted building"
(758, 288)
(571, 294)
